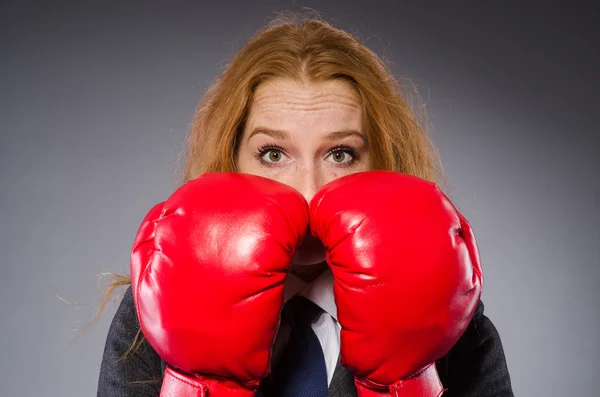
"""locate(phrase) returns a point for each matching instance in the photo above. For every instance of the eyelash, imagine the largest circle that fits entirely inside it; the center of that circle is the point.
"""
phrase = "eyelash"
(264, 149)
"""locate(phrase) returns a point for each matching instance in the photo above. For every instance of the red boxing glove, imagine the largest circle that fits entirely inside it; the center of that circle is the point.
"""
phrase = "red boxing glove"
(207, 270)
(407, 278)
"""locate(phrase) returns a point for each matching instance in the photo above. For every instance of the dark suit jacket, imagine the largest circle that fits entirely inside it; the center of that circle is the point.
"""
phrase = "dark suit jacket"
(474, 367)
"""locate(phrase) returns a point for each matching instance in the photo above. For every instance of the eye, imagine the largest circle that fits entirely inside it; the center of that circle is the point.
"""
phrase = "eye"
(343, 155)
(270, 155)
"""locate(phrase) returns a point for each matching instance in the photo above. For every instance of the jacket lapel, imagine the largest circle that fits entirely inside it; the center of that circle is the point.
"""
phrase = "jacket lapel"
(342, 383)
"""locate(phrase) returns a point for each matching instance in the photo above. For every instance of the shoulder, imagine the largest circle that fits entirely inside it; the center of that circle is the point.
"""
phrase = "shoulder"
(476, 365)
(125, 318)
(129, 364)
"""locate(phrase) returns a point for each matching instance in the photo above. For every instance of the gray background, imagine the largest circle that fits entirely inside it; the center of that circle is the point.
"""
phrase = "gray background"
(95, 102)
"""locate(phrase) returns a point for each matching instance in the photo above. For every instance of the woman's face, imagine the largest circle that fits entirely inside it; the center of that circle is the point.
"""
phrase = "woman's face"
(304, 135)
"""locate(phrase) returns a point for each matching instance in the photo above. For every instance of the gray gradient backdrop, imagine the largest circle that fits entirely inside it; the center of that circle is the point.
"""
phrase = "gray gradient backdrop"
(95, 102)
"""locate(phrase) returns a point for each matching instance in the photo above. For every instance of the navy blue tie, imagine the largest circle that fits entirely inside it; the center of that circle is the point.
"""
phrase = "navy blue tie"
(301, 372)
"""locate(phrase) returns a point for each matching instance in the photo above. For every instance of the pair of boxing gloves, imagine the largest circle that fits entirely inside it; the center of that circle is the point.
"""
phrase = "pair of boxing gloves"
(208, 269)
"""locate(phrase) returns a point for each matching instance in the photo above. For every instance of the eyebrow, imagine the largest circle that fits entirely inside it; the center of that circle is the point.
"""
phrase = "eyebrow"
(284, 135)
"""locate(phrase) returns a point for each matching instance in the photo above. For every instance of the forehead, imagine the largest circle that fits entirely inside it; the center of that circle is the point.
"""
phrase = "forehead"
(285, 96)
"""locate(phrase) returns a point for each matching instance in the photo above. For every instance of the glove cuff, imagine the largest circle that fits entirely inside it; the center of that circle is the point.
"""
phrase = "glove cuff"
(423, 384)
(178, 384)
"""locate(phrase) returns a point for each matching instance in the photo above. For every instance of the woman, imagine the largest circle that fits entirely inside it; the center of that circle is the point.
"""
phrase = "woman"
(298, 129)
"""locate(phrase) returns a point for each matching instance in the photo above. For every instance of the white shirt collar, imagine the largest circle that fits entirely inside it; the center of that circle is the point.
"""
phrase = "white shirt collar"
(320, 291)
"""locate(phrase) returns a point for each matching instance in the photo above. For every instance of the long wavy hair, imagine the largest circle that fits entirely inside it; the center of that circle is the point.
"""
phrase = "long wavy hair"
(302, 48)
